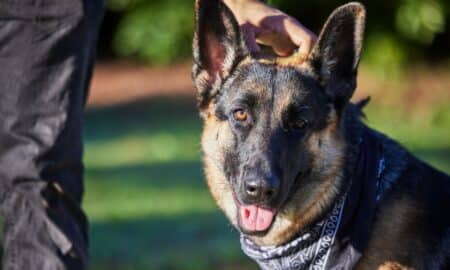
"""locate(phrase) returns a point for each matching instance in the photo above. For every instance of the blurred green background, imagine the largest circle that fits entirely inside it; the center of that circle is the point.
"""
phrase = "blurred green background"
(145, 195)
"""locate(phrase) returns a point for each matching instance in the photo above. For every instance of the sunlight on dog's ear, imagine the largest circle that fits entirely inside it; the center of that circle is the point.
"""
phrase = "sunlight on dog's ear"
(335, 56)
(217, 47)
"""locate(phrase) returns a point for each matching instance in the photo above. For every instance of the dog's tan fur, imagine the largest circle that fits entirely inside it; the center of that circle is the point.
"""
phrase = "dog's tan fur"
(393, 266)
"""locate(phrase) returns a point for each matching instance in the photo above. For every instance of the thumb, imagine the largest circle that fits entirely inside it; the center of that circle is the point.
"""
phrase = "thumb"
(280, 43)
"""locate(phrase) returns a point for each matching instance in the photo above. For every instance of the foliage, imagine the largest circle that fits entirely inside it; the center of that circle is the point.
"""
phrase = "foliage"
(420, 20)
(398, 32)
(154, 31)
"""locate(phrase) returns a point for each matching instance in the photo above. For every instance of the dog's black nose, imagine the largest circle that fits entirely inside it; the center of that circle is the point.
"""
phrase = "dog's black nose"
(260, 190)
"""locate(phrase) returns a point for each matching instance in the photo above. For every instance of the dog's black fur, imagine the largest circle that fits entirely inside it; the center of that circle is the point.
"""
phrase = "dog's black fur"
(290, 127)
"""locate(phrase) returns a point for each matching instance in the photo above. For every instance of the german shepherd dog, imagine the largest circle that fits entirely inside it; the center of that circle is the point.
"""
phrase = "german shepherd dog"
(289, 161)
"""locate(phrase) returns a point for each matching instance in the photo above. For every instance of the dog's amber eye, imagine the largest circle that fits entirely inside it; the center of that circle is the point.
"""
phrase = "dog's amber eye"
(240, 115)
(300, 124)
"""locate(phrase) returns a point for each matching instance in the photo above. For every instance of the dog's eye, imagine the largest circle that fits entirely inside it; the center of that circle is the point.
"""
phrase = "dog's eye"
(300, 124)
(240, 115)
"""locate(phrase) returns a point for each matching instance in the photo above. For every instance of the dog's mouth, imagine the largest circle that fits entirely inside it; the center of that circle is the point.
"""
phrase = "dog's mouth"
(253, 219)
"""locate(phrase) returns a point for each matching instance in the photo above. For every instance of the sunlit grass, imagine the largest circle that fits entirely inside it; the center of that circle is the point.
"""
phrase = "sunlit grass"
(427, 136)
(131, 199)
(429, 130)
(143, 148)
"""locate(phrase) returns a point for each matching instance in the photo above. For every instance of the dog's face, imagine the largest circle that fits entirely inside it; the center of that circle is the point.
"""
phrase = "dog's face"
(273, 143)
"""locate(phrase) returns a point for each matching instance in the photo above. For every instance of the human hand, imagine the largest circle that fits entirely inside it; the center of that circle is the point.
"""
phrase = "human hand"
(266, 25)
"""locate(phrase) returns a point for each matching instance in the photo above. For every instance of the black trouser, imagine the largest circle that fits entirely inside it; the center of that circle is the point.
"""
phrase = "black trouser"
(46, 54)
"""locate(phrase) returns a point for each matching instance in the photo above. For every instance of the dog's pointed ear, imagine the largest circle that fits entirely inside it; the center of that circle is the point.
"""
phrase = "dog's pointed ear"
(218, 46)
(335, 56)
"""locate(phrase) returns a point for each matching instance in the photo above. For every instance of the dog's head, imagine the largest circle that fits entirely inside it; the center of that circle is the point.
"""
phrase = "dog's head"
(273, 142)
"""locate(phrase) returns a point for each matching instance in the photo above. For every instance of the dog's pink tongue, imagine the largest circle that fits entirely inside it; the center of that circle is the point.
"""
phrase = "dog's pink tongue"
(254, 218)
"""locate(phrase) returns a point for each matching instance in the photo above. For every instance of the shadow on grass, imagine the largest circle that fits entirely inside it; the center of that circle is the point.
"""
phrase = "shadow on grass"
(172, 114)
(136, 191)
(159, 175)
(193, 241)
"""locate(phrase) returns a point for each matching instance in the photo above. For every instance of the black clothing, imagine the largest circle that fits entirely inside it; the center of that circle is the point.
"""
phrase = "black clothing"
(46, 56)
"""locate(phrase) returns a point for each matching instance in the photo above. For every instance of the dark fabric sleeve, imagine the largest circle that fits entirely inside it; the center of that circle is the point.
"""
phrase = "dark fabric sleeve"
(46, 56)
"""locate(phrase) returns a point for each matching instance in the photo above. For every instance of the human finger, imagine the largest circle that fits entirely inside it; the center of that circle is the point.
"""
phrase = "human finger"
(302, 37)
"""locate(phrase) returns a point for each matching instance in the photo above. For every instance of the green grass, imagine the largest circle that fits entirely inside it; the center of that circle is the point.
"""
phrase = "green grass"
(145, 196)
(427, 135)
